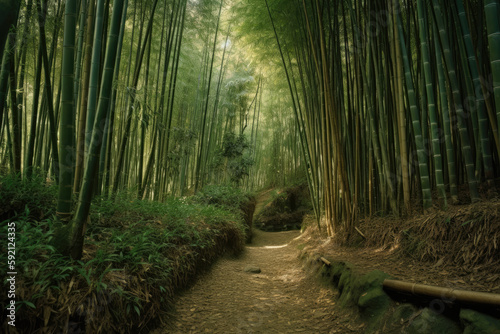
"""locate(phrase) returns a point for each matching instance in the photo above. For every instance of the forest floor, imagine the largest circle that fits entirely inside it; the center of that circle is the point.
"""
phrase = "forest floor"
(284, 298)
(280, 299)
(455, 248)
(393, 261)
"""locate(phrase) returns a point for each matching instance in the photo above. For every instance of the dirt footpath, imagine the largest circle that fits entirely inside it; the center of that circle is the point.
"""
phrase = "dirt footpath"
(280, 299)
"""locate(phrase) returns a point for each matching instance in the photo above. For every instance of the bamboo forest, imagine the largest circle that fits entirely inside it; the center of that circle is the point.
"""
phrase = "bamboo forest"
(250, 166)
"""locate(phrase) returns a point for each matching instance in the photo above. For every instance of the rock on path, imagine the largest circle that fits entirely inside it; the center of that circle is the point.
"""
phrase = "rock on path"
(280, 299)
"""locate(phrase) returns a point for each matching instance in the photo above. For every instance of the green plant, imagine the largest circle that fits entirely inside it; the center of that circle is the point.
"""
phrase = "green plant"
(130, 269)
(234, 157)
(222, 195)
(36, 262)
(37, 194)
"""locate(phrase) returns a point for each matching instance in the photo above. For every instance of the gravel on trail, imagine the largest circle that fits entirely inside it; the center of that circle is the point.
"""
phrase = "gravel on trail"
(279, 299)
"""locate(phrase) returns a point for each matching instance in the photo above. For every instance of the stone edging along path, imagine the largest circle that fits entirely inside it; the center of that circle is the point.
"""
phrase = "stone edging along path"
(381, 313)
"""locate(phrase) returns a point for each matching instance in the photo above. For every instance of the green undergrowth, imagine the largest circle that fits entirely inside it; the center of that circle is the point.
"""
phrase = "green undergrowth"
(224, 196)
(137, 254)
(233, 199)
(37, 194)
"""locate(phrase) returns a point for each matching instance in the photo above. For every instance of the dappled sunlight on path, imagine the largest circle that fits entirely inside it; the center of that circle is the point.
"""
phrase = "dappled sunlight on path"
(279, 299)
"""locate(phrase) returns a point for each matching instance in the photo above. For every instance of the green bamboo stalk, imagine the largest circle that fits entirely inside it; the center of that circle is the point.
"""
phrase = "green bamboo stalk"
(8, 17)
(20, 91)
(66, 130)
(82, 119)
(79, 52)
(106, 150)
(48, 96)
(34, 116)
(4, 86)
(199, 162)
(453, 81)
(445, 114)
(128, 119)
(173, 76)
(94, 74)
(492, 14)
(401, 119)
(144, 123)
(415, 117)
(431, 101)
(16, 120)
(479, 109)
(77, 229)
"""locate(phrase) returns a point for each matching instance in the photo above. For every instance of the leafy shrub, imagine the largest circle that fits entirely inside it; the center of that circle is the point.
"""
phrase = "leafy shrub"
(233, 146)
(233, 157)
(40, 272)
(38, 195)
(233, 199)
(136, 255)
(225, 196)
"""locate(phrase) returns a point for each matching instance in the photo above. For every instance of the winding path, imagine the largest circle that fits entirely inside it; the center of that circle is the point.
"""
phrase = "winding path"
(280, 299)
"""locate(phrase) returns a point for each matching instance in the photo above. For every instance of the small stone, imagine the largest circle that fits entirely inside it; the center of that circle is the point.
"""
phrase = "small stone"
(252, 269)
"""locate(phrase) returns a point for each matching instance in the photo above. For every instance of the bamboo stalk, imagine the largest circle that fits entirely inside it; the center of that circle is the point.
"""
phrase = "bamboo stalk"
(491, 299)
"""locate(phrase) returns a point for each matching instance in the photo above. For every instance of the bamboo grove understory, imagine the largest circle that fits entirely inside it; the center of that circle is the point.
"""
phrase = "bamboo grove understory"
(383, 106)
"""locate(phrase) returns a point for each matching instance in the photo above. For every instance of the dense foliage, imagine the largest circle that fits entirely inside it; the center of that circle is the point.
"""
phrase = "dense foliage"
(136, 254)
